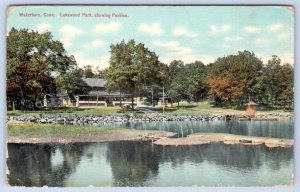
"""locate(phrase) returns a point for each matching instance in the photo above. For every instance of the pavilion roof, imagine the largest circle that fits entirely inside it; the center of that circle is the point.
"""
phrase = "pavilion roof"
(94, 82)
(251, 103)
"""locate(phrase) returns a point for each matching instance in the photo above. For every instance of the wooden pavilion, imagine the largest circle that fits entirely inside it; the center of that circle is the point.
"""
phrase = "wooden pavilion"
(251, 108)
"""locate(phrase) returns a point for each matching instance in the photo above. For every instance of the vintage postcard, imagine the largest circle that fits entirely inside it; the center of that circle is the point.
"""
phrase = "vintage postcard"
(150, 96)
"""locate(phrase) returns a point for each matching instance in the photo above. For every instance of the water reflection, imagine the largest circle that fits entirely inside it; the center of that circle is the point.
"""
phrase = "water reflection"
(33, 165)
(277, 129)
(132, 163)
(143, 164)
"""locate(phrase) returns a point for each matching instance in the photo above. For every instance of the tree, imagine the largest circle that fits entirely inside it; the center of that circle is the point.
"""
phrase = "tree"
(287, 85)
(155, 90)
(88, 72)
(187, 81)
(102, 73)
(175, 67)
(279, 82)
(224, 88)
(33, 59)
(272, 79)
(71, 83)
(177, 90)
(133, 68)
(242, 72)
(176, 84)
(196, 79)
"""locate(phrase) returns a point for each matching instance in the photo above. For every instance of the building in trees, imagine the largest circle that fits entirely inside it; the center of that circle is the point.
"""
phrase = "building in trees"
(99, 96)
(96, 95)
(52, 100)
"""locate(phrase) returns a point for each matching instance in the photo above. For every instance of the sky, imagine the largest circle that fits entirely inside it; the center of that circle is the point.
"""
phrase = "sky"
(186, 33)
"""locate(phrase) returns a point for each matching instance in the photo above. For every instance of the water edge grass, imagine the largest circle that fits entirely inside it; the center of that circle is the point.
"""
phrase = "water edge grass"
(27, 132)
(184, 108)
(34, 129)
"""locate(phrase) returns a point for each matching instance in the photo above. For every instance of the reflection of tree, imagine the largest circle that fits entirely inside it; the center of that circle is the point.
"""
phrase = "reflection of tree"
(235, 156)
(132, 163)
(30, 164)
(71, 154)
(279, 156)
(251, 157)
(231, 156)
(178, 154)
(25, 162)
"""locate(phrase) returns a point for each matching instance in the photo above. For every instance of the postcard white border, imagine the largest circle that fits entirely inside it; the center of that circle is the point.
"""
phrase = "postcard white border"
(5, 3)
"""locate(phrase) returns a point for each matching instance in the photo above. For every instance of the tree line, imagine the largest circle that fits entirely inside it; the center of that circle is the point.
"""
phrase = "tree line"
(38, 65)
(230, 80)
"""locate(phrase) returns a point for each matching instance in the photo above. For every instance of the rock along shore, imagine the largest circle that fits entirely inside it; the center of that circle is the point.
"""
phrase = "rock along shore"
(206, 138)
(124, 118)
(101, 119)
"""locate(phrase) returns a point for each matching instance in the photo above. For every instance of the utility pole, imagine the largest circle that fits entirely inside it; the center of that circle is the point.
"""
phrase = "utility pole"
(163, 99)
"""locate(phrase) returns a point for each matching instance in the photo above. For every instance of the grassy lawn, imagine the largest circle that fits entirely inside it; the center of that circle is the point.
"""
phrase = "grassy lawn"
(47, 133)
(72, 110)
(25, 129)
(202, 107)
(184, 108)
(209, 108)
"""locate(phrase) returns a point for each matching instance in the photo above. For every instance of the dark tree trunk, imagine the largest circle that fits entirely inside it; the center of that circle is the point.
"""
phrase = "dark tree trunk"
(35, 102)
(132, 102)
(152, 98)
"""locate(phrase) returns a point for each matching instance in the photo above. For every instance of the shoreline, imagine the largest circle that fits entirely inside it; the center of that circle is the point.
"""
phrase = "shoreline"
(124, 135)
(73, 119)
(37, 132)
(207, 138)
(157, 137)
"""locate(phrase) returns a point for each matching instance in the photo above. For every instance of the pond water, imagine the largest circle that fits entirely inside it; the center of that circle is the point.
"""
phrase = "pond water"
(283, 128)
(130, 163)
